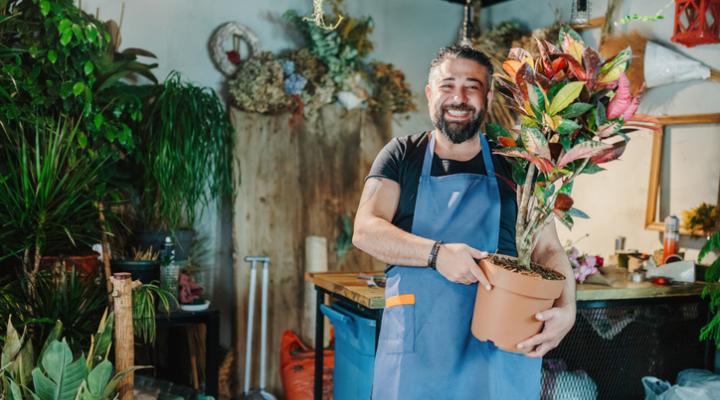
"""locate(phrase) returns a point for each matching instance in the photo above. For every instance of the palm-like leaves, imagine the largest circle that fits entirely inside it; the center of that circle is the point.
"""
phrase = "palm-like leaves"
(46, 189)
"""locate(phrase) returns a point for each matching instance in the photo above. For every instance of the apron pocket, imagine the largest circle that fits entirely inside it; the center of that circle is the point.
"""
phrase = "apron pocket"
(397, 334)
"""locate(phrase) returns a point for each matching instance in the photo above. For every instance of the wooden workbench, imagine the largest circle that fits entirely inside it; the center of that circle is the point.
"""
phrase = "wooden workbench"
(348, 285)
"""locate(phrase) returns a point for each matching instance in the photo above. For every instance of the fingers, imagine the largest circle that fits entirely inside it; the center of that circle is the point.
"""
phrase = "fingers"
(547, 314)
(480, 277)
(477, 253)
(533, 341)
(541, 350)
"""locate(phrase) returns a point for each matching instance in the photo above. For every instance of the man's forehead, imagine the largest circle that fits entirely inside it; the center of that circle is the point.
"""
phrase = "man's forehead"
(459, 68)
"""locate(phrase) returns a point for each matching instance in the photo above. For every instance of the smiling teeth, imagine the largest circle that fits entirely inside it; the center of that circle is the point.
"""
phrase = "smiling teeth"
(457, 113)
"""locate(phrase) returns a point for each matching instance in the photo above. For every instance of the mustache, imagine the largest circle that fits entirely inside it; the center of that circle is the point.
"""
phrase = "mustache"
(459, 107)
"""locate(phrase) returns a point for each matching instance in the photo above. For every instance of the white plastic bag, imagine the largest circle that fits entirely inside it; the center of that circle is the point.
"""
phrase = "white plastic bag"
(692, 384)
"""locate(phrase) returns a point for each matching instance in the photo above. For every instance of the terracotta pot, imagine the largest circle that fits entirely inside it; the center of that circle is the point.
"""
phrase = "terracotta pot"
(87, 264)
(505, 315)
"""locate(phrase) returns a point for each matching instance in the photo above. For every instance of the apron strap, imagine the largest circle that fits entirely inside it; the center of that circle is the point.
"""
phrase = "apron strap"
(429, 151)
(487, 156)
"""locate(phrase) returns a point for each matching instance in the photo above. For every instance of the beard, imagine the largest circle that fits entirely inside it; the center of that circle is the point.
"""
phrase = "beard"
(458, 132)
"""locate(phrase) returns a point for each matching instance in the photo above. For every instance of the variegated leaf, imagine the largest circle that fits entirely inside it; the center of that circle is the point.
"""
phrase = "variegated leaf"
(609, 154)
(565, 97)
(583, 150)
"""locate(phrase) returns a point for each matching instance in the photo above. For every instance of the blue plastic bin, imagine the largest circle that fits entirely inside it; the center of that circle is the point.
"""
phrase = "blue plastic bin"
(354, 353)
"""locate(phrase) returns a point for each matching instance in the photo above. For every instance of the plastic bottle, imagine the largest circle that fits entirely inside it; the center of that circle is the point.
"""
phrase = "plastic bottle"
(169, 269)
(671, 237)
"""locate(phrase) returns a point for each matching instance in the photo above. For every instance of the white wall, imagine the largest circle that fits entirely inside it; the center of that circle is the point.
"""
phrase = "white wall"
(407, 33)
(615, 199)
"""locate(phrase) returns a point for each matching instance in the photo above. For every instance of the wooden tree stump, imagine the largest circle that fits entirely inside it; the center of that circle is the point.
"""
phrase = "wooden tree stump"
(296, 180)
(123, 286)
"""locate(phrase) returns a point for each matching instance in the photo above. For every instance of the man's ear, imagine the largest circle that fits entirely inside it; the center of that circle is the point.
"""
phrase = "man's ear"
(490, 95)
(427, 91)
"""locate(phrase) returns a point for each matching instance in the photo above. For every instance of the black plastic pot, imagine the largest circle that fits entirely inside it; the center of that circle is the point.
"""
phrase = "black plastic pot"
(142, 270)
(183, 240)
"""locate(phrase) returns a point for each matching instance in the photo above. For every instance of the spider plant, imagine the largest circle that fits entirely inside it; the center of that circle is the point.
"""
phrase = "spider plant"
(185, 153)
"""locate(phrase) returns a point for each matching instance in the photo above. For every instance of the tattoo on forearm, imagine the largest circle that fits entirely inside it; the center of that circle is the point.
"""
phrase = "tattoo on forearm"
(371, 187)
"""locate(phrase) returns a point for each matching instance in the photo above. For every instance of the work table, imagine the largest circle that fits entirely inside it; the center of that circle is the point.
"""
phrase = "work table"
(351, 286)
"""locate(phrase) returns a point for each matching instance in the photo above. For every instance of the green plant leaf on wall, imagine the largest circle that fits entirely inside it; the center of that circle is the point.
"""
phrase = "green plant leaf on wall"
(574, 212)
(567, 126)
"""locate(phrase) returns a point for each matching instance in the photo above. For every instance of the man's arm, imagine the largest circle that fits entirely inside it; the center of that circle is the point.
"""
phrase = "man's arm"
(375, 234)
(561, 318)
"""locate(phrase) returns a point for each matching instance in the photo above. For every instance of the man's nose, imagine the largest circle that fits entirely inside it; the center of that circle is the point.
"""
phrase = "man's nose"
(460, 96)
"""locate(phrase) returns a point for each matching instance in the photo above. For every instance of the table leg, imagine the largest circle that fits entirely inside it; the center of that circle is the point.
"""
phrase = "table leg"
(319, 339)
(211, 354)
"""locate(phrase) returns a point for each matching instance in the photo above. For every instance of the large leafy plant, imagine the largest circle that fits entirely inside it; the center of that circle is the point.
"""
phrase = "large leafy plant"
(46, 193)
(711, 331)
(60, 60)
(576, 111)
(56, 374)
(185, 152)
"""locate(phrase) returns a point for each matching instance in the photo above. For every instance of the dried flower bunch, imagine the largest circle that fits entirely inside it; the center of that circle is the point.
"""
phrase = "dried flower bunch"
(576, 111)
(331, 66)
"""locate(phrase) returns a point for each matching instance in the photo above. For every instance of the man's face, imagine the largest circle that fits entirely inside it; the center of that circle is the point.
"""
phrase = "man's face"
(457, 94)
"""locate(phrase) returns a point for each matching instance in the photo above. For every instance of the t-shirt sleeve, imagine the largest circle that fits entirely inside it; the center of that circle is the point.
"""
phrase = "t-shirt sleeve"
(387, 163)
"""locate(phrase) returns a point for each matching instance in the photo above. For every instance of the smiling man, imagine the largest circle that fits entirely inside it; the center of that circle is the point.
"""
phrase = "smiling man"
(435, 203)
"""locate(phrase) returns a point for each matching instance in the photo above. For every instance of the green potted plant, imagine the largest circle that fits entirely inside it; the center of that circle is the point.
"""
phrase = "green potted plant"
(143, 265)
(576, 111)
(46, 194)
(711, 291)
(183, 161)
(55, 373)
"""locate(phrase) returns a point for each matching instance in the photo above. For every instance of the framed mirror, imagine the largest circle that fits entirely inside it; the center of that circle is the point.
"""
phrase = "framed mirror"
(680, 169)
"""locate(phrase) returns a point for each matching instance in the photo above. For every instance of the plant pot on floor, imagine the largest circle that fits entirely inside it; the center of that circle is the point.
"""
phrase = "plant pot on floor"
(86, 264)
(145, 271)
(182, 238)
(505, 315)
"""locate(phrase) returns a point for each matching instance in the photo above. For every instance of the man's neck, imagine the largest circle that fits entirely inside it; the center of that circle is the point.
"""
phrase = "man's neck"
(447, 150)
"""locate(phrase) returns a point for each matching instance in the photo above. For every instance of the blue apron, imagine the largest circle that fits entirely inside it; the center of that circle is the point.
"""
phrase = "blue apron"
(426, 349)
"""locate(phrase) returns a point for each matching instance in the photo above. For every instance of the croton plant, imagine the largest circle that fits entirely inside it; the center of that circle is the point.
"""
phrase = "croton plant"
(575, 113)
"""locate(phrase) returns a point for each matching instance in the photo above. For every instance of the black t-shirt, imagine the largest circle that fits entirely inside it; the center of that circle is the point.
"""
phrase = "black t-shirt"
(401, 160)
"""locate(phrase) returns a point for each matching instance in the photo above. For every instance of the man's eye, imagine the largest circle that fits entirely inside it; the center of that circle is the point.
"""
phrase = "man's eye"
(473, 87)
(445, 86)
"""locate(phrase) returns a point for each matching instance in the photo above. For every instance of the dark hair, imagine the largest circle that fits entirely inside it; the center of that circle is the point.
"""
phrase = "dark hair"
(462, 51)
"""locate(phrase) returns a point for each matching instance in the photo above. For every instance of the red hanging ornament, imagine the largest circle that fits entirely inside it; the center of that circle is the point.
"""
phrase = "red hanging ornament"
(696, 22)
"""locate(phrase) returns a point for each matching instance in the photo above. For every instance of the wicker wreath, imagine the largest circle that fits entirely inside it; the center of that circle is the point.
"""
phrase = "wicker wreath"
(237, 33)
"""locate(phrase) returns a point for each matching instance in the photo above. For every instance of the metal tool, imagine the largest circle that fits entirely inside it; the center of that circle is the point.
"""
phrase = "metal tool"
(261, 393)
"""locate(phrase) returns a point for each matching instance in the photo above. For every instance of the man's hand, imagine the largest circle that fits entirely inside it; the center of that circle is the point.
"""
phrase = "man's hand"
(457, 263)
(558, 322)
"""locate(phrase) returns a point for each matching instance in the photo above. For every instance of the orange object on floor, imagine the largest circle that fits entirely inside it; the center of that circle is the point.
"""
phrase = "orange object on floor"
(297, 366)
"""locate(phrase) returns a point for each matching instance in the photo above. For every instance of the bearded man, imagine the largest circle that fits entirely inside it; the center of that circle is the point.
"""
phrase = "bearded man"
(433, 205)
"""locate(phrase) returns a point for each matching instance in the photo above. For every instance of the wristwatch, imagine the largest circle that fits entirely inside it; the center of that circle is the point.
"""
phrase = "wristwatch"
(432, 257)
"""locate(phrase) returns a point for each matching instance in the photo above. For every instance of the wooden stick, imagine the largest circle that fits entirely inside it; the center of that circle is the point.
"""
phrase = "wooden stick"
(123, 286)
(106, 252)
(714, 75)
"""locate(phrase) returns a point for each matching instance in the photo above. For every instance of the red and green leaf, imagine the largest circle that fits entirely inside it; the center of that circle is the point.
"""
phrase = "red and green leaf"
(612, 152)
(583, 150)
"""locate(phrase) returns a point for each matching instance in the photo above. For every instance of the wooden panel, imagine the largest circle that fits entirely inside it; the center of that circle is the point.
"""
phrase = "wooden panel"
(295, 180)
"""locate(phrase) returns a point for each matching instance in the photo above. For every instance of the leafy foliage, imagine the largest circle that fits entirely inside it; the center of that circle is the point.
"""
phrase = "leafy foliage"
(63, 63)
(68, 297)
(711, 291)
(56, 374)
(576, 110)
(46, 193)
(185, 153)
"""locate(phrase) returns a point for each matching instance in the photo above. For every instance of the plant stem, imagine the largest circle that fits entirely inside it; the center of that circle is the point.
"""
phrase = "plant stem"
(522, 221)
